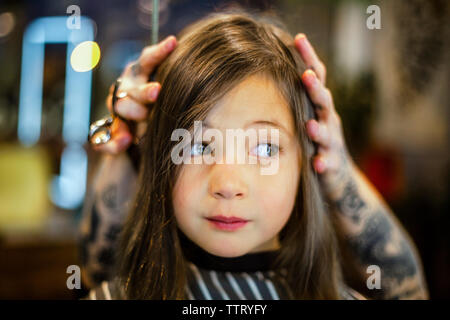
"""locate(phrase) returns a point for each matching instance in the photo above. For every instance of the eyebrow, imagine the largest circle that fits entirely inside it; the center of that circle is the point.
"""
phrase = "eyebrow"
(271, 123)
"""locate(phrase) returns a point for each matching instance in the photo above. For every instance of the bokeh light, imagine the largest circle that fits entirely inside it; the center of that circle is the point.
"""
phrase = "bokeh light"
(7, 22)
(85, 56)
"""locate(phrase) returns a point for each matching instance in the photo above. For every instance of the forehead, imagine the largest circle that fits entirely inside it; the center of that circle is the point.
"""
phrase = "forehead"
(253, 99)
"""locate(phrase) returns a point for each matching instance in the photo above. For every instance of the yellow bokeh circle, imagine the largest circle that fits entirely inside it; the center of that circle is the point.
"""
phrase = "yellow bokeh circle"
(85, 56)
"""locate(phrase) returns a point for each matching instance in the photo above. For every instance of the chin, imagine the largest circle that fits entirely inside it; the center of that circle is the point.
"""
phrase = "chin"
(225, 251)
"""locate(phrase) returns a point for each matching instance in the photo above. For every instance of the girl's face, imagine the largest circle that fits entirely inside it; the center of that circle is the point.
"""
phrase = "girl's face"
(203, 191)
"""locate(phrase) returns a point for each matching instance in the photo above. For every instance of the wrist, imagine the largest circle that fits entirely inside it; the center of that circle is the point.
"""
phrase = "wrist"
(334, 181)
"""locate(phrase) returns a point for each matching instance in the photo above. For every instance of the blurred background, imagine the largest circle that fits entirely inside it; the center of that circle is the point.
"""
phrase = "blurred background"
(390, 86)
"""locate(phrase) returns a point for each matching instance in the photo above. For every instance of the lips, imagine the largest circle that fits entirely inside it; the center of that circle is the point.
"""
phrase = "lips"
(227, 219)
(227, 223)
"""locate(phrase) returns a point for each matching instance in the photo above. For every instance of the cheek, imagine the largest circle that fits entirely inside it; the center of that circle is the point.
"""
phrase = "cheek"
(278, 205)
(278, 197)
(181, 193)
(186, 192)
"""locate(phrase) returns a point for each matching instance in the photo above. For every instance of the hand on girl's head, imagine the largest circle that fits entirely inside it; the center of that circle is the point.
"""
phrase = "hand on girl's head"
(326, 131)
(136, 94)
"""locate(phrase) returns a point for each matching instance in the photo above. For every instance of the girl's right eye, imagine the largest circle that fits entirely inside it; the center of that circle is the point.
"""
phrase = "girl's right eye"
(199, 149)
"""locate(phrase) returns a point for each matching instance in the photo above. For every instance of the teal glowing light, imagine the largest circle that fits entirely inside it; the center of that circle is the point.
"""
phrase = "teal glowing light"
(68, 188)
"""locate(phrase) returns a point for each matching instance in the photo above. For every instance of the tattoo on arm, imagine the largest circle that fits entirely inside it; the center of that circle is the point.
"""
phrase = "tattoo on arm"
(109, 197)
(378, 244)
(351, 203)
(105, 212)
(379, 241)
(101, 242)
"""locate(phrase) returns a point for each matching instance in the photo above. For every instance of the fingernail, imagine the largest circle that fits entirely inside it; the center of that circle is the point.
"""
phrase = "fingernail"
(153, 93)
(321, 165)
(310, 73)
(310, 76)
(300, 37)
(170, 43)
(302, 40)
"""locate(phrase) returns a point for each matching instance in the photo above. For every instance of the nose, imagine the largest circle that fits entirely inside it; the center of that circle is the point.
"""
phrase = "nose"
(227, 183)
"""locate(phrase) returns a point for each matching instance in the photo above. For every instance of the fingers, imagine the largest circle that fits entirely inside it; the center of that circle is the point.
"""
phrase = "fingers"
(310, 57)
(120, 139)
(144, 93)
(132, 104)
(134, 84)
(325, 162)
(129, 109)
(319, 95)
(147, 93)
(135, 93)
(149, 59)
(153, 55)
(319, 164)
(324, 132)
(318, 132)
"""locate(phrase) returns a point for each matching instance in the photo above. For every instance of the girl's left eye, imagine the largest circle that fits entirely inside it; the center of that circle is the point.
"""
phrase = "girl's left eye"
(200, 148)
(266, 150)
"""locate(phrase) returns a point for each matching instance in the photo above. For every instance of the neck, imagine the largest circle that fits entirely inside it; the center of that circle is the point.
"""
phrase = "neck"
(261, 260)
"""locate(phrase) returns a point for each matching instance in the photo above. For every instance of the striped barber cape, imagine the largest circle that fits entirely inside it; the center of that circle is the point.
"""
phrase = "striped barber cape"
(210, 277)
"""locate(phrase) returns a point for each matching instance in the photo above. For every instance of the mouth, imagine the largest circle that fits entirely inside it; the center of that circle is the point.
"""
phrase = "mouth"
(227, 223)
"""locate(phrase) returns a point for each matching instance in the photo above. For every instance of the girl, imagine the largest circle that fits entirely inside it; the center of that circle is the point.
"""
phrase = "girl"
(232, 72)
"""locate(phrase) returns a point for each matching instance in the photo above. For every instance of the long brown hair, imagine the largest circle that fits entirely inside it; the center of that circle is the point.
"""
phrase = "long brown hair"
(213, 55)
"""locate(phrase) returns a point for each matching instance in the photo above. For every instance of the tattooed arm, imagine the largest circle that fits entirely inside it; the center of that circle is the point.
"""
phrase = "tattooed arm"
(368, 231)
(106, 205)
(371, 235)
(104, 212)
